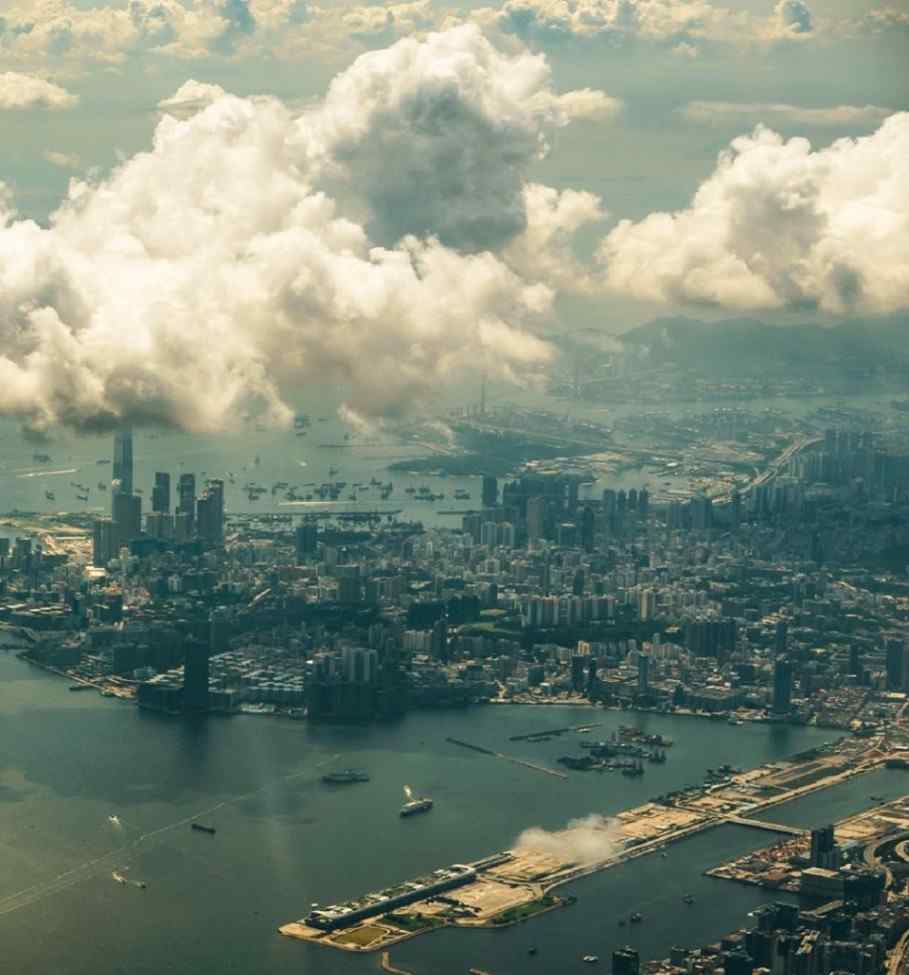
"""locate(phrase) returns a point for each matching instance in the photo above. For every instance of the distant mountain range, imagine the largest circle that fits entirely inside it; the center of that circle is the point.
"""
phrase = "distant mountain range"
(871, 349)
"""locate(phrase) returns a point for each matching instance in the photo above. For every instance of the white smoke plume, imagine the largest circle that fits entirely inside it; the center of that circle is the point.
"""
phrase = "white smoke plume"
(583, 841)
(779, 225)
(252, 252)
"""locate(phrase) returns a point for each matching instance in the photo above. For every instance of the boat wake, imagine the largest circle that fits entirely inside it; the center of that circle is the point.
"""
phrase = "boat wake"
(108, 861)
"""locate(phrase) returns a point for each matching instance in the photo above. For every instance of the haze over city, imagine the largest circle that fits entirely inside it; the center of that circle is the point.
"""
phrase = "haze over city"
(454, 474)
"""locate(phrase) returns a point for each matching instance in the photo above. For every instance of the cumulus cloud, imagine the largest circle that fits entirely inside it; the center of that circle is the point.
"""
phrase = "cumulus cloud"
(251, 251)
(462, 123)
(191, 97)
(722, 113)
(793, 18)
(544, 250)
(589, 840)
(20, 91)
(680, 25)
(777, 225)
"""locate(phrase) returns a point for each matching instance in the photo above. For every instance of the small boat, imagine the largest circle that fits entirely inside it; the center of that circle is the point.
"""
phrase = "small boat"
(114, 820)
(532, 950)
(688, 899)
(636, 917)
(201, 828)
(591, 959)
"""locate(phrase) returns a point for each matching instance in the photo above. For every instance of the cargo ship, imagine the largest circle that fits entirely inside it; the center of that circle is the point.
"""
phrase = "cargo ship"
(345, 776)
(414, 805)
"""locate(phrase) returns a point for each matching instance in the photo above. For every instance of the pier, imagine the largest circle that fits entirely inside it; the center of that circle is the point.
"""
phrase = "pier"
(507, 758)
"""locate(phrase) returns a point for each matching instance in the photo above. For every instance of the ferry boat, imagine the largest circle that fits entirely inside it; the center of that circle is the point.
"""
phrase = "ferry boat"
(416, 806)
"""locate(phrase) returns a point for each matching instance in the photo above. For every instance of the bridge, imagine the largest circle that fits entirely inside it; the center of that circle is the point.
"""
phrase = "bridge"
(762, 824)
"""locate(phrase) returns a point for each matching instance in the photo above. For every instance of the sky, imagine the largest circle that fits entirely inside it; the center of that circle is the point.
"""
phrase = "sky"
(207, 204)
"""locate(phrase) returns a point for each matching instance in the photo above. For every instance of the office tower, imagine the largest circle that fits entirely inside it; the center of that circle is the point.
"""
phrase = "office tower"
(159, 525)
(855, 660)
(123, 461)
(536, 517)
(210, 513)
(643, 674)
(895, 674)
(127, 517)
(625, 961)
(349, 585)
(490, 493)
(782, 685)
(186, 500)
(587, 528)
(104, 542)
(439, 641)
(780, 637)
(219, 630)
(824, 851)
(307, 540)
(183, 527)
(161, 493)
(195, 676)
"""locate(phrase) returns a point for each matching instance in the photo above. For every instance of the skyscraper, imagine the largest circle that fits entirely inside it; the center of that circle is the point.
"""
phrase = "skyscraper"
(210, 513)
(782, 685)
(307, 540)
(161, 493)
(490, 492)
(186, 500)
(127, 510)
(123, 460)
(104, 542)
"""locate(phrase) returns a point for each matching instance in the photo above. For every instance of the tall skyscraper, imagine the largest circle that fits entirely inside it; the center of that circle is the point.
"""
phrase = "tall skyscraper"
(782, 685)
(490, 492)
(123, 461)
(210, 513)
(104, 542)
(161, 493)
(127, 509)
(186, 501)
(307, 540)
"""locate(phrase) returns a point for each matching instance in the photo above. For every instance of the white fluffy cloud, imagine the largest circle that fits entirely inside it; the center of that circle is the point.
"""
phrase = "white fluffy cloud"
(681, 24)
(793, 18)
(191, 97)
(459, 121)
(19, 91)
(779, 225)
(722, 113)
(251, 251)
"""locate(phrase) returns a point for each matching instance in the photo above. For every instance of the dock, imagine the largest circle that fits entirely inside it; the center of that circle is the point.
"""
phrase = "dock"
(507, 758)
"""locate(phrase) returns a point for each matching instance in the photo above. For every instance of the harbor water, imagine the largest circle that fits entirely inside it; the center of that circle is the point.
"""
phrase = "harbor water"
(92, 786)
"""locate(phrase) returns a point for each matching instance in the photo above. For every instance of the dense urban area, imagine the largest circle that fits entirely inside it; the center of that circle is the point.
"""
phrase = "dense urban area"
(759, 576)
